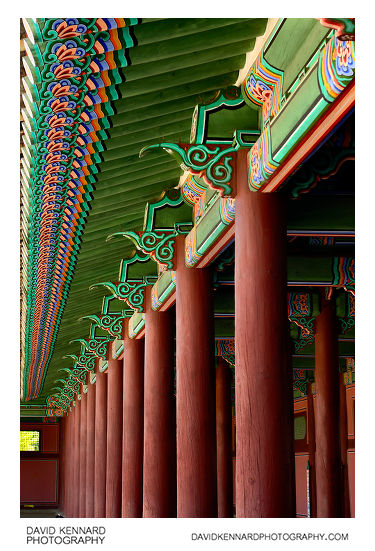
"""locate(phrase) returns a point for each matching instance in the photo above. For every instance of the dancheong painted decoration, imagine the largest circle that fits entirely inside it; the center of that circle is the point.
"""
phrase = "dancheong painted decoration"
(187, 266)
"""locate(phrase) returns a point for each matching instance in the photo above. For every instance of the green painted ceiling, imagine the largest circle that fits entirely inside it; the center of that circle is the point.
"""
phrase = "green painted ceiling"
(174, 65)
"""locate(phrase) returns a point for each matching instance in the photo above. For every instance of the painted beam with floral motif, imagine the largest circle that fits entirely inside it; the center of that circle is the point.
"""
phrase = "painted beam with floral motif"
(289, 115)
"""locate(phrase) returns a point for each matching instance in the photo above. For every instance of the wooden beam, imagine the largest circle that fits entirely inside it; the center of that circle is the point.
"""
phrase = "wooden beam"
(313, 139)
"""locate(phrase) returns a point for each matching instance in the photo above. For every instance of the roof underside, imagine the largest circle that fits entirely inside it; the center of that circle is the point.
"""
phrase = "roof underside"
(156, 73)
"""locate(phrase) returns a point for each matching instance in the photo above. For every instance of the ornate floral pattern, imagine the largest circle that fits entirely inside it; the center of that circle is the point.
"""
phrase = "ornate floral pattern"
(349, 375)
(255, 163)
(67, 55)
(263, 93)
(227, 210)
(263, 86)
(343, 273)
(261, 166)
(191, 254)
(344, 58)
(336, 67)
(226, 349)
(300, 313)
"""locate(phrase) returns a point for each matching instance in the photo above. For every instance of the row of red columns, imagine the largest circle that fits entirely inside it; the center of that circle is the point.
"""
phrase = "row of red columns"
(155, 456)
(128, 468)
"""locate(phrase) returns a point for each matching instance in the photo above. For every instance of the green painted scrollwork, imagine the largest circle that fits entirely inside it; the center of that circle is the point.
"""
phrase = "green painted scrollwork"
(300, 312)
(131, 292)
(306, 331)
(346, 324)
(213, 162)
(159, 244)
(112, 323)
(301, 378)
(87, 361)
(304, 340)
(70, 383)
(97, 346)
(64, 400)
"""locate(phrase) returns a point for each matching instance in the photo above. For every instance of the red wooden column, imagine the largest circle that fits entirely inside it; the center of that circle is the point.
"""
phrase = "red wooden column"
(195, 363)
(63, 433)
(159, 459)
(67, 470)
(90, 449)
(82, 455)
(344, 448)
(114, 437)
(311, 447)
(327, 424)
(76, 469)
(69, 465)
(263, 376)
(132, 439)
(100, 443)
(224, 439)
